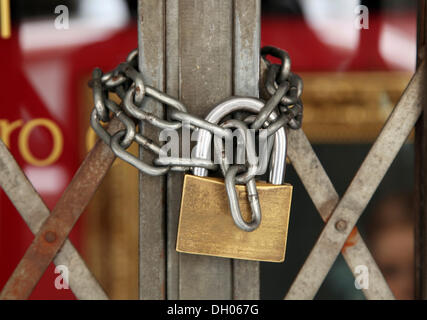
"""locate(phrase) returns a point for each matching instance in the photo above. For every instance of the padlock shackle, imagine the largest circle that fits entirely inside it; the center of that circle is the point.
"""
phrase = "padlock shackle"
(233, 202)
(204, 137)
(253, 162)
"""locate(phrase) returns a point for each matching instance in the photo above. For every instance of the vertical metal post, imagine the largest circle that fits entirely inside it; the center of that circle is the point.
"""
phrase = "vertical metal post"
(246, 282)
(200, 52)
(421, 166)
(152, 201)
(205, 52)
(174, 180)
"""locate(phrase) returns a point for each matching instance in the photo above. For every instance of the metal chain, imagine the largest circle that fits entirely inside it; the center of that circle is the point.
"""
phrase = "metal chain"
(283, 108)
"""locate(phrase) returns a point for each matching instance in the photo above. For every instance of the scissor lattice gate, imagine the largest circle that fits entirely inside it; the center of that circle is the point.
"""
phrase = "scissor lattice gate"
(189, 49)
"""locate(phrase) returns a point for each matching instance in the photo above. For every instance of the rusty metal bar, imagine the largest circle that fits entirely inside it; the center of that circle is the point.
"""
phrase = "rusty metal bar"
(325, 198)
(33, 210)
(58, 225)
(421, 169)
(360, 191)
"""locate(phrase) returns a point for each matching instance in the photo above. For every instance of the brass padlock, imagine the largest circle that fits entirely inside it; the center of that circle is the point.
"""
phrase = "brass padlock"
(206, 226)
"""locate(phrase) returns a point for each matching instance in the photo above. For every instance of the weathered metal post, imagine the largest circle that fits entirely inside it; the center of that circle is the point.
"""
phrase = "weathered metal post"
(200, 52)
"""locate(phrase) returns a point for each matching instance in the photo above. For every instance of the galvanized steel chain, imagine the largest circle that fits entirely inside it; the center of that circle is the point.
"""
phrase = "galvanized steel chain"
(283, 108)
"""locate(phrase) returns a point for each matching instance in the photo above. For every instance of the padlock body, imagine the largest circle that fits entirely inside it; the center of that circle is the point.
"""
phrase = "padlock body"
(206, 226)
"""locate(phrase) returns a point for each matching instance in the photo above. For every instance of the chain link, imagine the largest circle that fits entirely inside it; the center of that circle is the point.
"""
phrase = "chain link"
(283, 108)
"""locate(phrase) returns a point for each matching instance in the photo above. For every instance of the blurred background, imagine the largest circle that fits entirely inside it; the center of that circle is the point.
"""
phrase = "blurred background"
(353, 77)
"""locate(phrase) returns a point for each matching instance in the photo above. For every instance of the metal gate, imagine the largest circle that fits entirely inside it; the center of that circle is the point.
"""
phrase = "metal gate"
(189, 49)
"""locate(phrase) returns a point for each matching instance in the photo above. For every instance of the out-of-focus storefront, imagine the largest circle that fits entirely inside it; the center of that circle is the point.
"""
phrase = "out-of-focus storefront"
(45, 107)
(355, 62)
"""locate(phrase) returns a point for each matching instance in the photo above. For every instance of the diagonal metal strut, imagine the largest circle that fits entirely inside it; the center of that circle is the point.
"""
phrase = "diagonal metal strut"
(33, 210)
(56, 228)
(360, 191)
(313, 175)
